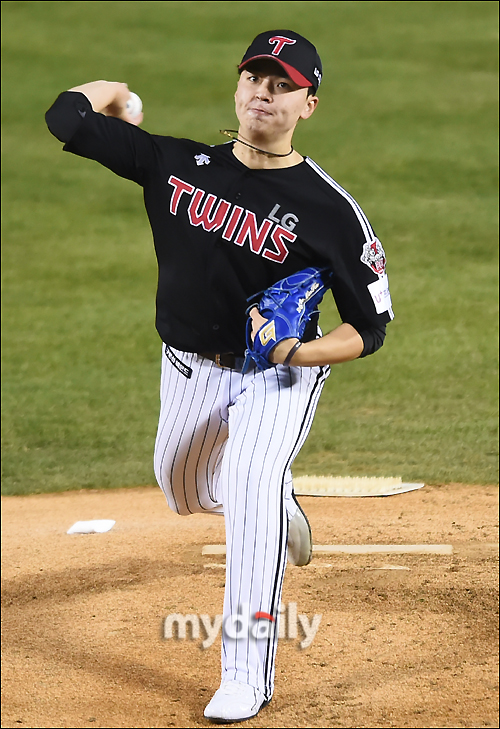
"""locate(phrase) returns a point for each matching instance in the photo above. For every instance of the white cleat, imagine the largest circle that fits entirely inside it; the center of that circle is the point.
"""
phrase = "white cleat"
(299, 539)
(234, 701)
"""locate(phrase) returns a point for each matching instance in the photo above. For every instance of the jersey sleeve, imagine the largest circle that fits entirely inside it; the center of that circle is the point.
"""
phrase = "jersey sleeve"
(123, 148)
(348, 244)
(361, 285)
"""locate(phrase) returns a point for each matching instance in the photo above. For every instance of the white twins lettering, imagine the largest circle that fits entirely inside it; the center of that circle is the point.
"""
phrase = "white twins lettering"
(212, 213)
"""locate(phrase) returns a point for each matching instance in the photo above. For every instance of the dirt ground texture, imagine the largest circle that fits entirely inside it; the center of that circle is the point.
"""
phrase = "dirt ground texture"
(82, 615)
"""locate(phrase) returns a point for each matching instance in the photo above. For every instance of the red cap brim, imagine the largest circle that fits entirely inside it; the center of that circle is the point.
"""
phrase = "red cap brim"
(292, 72)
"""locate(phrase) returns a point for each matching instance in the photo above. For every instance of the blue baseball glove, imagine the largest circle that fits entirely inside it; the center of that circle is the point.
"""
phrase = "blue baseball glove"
(288, 306)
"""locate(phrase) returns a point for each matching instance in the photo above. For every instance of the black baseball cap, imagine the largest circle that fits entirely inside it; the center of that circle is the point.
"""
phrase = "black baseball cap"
(295, 54)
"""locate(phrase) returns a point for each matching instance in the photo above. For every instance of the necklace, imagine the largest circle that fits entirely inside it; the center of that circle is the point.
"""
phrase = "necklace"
(231, 132)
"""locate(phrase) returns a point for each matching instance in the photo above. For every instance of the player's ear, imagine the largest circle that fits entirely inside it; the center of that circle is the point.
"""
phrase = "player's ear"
(310, 106)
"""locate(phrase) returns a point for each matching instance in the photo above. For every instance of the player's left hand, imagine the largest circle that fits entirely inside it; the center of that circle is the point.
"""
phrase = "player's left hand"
(280, 351)
(278, 321)
(257, 321)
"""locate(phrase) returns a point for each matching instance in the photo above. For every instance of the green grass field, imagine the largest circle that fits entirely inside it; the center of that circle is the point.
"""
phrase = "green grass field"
(407, 122)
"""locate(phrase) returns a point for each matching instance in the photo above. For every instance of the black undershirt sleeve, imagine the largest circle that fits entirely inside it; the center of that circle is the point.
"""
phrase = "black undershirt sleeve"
(373, 339)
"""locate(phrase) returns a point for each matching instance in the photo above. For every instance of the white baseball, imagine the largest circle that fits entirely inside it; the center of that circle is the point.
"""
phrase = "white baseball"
(134, 105)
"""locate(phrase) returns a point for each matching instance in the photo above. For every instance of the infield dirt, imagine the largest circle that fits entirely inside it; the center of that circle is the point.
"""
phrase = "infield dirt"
(415, 646)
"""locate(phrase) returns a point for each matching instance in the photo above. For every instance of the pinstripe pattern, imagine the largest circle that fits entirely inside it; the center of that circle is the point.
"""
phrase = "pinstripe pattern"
(191, 434)
(315, 387)
(225, 444)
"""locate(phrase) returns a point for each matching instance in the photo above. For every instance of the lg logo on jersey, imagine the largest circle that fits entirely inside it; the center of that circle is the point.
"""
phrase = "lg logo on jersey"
(288, 220)
(240, 225)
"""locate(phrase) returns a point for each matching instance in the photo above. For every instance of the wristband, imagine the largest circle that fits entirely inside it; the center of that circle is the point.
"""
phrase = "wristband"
(291, 353)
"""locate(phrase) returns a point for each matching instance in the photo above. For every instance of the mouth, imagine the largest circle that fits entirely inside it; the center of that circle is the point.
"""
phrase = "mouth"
(259, 111)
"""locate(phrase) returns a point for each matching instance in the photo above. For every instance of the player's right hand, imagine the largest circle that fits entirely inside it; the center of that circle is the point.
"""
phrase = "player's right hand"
(118, 107)
(136, 120)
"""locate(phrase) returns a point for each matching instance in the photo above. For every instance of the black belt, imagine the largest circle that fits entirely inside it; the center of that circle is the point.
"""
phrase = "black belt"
(226, 360)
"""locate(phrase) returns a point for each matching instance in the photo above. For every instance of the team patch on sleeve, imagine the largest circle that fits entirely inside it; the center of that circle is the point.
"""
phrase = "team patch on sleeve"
(379, 291)
(374, 256)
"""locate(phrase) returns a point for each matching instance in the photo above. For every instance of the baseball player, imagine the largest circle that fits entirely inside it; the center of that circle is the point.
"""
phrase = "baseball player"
(229, 221)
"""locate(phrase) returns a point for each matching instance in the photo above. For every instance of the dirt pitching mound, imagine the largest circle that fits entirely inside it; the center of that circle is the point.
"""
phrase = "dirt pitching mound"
(404, 640)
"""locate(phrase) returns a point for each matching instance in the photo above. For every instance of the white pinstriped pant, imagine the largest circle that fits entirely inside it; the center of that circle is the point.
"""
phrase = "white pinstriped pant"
(225, 444)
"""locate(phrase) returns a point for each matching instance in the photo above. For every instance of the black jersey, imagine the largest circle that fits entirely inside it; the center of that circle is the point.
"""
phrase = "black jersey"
(223, 232)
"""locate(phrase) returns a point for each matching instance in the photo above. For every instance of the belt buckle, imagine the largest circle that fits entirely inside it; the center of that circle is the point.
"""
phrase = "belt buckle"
(218, 362)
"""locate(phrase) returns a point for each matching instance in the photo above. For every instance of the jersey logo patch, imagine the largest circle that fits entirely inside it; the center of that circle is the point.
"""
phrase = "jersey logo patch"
(374, 256)
(202, 159)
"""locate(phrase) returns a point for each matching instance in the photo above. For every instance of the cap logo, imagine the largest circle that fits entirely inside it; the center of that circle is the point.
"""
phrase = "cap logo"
(281, 42)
